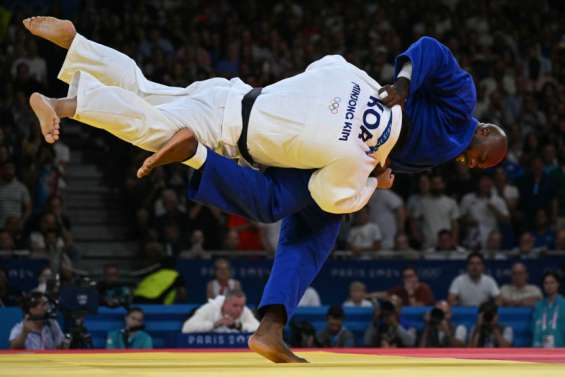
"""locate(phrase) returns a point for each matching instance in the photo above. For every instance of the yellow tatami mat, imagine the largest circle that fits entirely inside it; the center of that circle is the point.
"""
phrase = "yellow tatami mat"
(247, 364)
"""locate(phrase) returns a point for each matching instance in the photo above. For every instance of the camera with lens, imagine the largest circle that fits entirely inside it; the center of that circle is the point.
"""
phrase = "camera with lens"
(489, 310)
(436, 316)
(75, 302)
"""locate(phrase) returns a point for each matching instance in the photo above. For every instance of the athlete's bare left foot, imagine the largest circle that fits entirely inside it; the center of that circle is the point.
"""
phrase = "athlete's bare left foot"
(44, 109)
(60, 32)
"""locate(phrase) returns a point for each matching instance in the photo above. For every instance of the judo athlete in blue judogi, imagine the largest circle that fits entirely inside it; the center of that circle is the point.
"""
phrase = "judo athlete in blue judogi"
(439, 127)
(333, 121)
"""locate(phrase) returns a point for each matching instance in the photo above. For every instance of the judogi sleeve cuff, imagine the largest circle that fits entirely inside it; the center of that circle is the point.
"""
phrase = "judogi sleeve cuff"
(406, 71)
(199, 157)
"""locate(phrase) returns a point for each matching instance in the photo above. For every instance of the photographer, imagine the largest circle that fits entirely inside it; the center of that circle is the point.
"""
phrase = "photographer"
(335, 334)
(132, 336)
(439, 331)
(487, 332)
(385, 330)
(37, 331)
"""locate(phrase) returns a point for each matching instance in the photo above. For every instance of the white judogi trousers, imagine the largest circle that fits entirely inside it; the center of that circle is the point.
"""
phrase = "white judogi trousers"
(113, 94)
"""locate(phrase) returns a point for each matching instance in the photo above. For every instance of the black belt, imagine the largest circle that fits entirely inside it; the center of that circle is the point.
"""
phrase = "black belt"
(246, 106)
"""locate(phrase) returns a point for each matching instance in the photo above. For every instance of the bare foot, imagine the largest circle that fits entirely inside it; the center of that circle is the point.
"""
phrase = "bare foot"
(48, 118)
(272, 347)
(60, 32)
(147, 167)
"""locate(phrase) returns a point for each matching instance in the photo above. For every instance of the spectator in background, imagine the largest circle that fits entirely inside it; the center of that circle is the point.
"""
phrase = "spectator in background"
(439, 331)
(311, 298)
(487, 332)
(248, 233)
(44, 279)
(55, 207)
(231, 240)
(482, 211)
(434, 212)
(111, 291)
(223, 282)
(493, 244)
(13, 227)
(386, 209)
(5, 299)
(14, 196)
(132, 335)
(537, 191)
(401, 244)
(7, 243)
(302, 334)
(560, 240)
(364, 236)
(357, 294)
(412, 292)
(548, 325)
(446, 244)
(173, 241)
(508, 192)
(519, 292)
(152, 251)
(168, 210)
(544, 236)
(335, 334)
(526, 247)
(196, 250)
(385, 330)
(36, 331)
(473, 287)
(223, 314)
(211, 221)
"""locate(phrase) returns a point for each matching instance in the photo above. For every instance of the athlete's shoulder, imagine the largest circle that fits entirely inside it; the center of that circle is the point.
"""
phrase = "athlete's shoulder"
(326, 61)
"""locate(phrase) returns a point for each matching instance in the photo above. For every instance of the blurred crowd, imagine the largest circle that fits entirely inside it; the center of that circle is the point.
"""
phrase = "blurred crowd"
(518, 206)
(227, 312)
(516, 209)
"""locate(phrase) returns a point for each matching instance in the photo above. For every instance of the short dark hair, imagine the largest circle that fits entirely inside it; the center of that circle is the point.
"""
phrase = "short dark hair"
(477, 255)
(552, 273)
(336, 311)
(31, 301)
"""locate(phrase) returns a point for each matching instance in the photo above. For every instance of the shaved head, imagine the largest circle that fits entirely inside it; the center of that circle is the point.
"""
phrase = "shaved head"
(487, 149)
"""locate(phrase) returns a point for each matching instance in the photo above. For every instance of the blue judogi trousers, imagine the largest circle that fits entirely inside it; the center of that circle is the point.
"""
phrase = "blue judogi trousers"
(308, 234)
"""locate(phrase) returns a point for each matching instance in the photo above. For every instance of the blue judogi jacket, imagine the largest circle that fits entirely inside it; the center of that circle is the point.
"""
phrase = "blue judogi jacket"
(439, 107)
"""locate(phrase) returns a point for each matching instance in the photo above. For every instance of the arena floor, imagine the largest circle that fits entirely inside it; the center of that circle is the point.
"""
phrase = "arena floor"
(327, 363)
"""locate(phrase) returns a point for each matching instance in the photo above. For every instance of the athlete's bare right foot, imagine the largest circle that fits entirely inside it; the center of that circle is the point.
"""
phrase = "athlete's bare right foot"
(47, 115)
(271, 346)
(60, 32)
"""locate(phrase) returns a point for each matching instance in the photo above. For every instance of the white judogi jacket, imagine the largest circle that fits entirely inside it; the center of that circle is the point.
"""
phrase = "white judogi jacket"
(326, 118)
(204, 318)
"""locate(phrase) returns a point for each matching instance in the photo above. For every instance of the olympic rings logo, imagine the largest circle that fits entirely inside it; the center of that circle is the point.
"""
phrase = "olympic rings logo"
(334, 105)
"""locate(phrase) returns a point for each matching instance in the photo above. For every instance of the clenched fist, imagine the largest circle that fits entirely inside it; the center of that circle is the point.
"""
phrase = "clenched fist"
(385, 179)
(391, 95)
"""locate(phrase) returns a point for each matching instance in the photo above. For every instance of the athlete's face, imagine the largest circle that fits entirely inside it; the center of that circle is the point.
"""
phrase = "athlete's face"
(487, 149)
